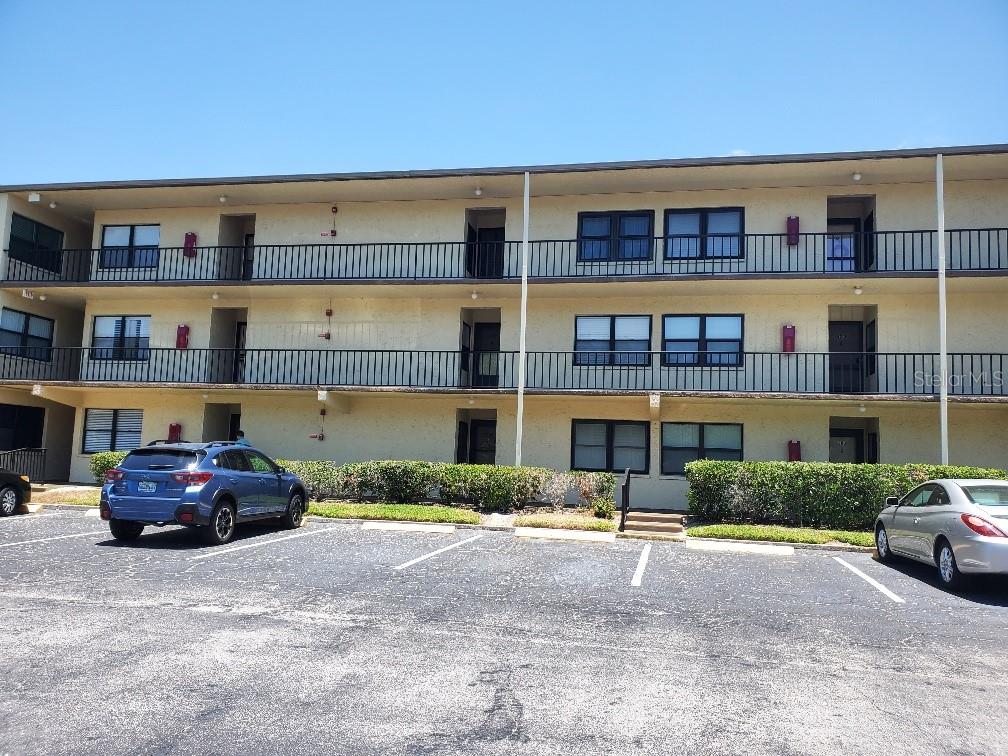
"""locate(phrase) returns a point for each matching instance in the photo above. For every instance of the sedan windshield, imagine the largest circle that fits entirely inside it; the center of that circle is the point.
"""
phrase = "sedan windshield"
(991, 495)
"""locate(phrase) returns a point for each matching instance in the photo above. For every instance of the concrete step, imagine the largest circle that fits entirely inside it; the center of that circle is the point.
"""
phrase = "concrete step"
(645, 516)
(655, 527)
(651, 536)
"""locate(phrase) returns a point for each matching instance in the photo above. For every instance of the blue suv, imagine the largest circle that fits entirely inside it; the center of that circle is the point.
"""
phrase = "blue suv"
(211, 487)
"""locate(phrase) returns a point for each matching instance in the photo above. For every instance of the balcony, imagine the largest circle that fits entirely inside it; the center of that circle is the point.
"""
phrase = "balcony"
(865, 374)
(973, 250)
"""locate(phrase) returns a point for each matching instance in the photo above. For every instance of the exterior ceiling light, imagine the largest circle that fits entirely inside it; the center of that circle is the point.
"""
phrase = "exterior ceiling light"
(861, 408)
(475, 295)
(52, 205)
(478, 191)
(858, 291)
(856, 176)
(222, 199)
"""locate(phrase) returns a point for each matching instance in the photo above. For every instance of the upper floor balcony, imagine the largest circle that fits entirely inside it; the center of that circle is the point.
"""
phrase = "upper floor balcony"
(979, 250)
(876, 374)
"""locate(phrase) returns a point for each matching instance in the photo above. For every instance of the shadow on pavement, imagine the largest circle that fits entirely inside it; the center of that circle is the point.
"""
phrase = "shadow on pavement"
(179, 538)
(991, 590)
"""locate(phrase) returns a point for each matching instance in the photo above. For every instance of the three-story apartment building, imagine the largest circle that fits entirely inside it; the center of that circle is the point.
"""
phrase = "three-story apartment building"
(603, 317)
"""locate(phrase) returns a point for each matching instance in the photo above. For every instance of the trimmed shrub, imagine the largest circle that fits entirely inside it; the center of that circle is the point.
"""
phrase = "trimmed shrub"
(593, 485)
(810, 494)
(102, 462)
(493, 487)
(322, 478)
(388, 480)
(604, 508)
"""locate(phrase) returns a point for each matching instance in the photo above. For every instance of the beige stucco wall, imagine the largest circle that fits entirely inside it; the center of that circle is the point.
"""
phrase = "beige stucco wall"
(899, 207)
(357, 427)
(394, 426)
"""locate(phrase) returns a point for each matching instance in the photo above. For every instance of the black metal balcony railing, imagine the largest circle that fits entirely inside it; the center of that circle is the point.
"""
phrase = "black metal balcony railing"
(30, 462)
(868, 252)
(907, 374)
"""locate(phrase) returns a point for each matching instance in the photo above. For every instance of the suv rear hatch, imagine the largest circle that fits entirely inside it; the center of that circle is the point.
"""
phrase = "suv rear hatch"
(148, 489)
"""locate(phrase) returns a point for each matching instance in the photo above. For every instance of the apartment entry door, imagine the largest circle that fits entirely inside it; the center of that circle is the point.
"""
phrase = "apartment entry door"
(476, 439)
(485, 248)
(846, 374)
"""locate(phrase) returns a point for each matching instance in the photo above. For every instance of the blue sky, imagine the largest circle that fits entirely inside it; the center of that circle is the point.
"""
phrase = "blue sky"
(116, 90)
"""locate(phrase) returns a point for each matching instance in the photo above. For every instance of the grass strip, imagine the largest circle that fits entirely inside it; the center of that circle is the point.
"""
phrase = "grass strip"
(77, 498)
(779, 533)
(564, 522)
(348, 510)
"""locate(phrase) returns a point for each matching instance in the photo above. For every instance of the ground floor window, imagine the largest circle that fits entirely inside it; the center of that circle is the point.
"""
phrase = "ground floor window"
(687, 442)
(111, 430)
(610, 446)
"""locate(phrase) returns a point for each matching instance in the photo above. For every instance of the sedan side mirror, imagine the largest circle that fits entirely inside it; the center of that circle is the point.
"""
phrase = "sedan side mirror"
(892, 501)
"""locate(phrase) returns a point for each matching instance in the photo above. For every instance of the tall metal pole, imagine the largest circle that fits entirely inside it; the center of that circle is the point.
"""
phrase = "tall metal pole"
(942, 313)
(522, 319)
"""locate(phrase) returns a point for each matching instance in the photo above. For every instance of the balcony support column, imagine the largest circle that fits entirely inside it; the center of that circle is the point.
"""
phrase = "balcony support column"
(942, 312)
(522, 318)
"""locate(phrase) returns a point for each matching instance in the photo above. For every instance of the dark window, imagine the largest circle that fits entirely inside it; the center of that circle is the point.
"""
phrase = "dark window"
(259, 463)
(121, 337)
(612, 340)
(704, 232)
(159, 459)
(610, 445)
(130, 247)
(25, 335)
(111, 430)
(687, 442)
(615, 236)
(703, 340)
(232, 460)
(35, 243)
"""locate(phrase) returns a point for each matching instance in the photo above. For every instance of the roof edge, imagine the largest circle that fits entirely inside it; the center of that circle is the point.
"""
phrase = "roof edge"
(726, 160)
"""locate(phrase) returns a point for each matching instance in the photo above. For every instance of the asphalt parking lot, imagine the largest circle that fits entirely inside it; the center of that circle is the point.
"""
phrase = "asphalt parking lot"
(341, 639)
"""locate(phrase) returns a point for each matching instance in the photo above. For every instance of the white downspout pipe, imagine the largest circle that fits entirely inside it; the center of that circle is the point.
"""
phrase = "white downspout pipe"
(942, 313)
(522, 321)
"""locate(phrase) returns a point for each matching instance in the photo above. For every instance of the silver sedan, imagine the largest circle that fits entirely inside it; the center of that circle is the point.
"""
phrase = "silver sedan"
(959, 526)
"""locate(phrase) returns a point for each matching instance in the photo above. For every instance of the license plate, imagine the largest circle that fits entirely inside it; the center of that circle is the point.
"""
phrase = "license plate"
(146, 486)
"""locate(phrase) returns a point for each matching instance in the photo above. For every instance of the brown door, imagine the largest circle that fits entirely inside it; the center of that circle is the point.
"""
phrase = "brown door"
(845, 358)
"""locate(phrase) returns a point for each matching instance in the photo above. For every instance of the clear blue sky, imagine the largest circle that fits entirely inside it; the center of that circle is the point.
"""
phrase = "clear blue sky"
(116, 90)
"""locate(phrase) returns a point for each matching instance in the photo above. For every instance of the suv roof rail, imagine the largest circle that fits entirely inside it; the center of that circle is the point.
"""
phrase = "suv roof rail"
(159, 441)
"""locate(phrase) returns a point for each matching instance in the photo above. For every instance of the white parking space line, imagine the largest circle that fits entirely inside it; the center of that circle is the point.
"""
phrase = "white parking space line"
(638, 576)
(870, 580)
(93, 512)
(52, 538)
(408, 527)
(223, 552)
(455, 545)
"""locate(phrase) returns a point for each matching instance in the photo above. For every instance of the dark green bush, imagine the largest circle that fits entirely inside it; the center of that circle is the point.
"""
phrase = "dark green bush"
(322, 478)
(492, 487)
(102, 462)
(810, 494)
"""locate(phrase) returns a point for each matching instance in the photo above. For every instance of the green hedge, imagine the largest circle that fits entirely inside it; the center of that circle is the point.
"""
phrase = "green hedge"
(488, 487)
(104, 461)
(811, 494)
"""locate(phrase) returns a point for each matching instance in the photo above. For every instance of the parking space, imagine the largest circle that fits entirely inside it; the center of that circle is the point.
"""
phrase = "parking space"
(459, 641)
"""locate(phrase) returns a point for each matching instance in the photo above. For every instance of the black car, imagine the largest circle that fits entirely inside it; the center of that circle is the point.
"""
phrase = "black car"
(15, 490)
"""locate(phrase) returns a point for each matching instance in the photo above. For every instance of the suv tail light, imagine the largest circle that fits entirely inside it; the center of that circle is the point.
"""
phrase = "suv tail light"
(192, 478)
(981, 526)
(114, 475)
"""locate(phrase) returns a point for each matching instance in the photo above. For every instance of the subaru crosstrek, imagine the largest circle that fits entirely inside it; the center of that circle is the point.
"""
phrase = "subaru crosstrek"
(211, 487)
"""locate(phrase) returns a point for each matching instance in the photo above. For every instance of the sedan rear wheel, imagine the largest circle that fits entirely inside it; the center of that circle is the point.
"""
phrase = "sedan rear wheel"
(10, 500)
(948, 570)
